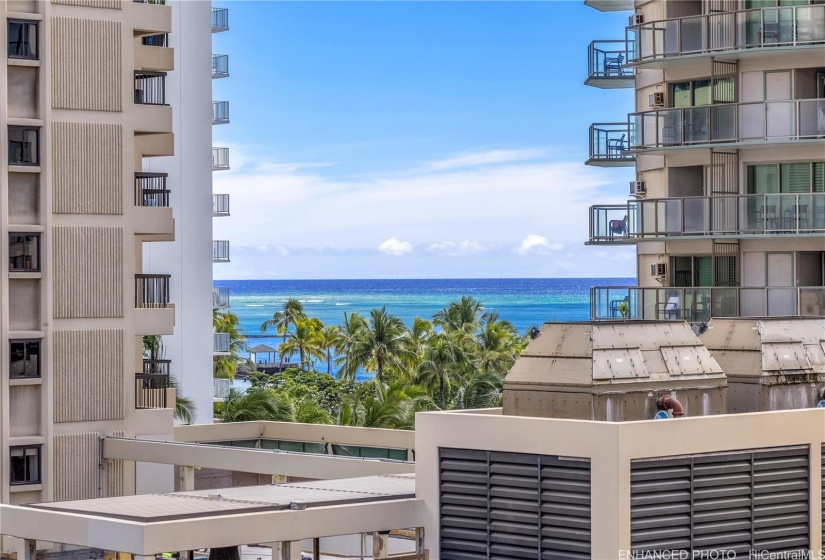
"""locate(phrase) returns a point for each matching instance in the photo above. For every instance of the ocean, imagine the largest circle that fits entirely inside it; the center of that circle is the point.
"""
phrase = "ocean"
(526, 302)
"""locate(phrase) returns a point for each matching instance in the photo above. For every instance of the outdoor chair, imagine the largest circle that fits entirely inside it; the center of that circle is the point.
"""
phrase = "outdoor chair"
(618, 227)
(614, 64)
(614, 306)
(672, 308)
(616, 146)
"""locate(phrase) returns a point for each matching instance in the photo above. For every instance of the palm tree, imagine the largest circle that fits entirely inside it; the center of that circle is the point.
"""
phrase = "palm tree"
(479, 389)
(305, 339)
(352, 332)
(379, 405)
(497, 346)
(328, 339)
(420, 333)
(307, 412)
(385, 344)
(292, 312)
(225, 366)
(185, 408)
(443, 358)
(256, 404)
(460, 316)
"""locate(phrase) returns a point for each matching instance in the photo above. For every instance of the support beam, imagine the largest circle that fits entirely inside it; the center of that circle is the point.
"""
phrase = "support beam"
(380, 545)
(26, 549)
(186, 478)
(286, 550)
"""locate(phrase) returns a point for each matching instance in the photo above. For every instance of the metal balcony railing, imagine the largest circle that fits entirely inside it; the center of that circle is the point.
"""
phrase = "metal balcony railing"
(150, 190)
(709, 216)
(728, 123)
(701, 304)
(150, 88)
(220, 20)
(785, 26)
(220, 251)
(158, 2)
(220, 112)
(220, 343)
(220, 297)
(152, 290)
(220, 159)
(609, 145)
(220, 66)
(159, 40)
(152, 383)
(607, 64)
(220, 205)
(221, 388)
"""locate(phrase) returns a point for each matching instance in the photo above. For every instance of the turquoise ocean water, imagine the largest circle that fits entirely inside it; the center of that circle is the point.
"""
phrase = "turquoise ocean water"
(524, 302)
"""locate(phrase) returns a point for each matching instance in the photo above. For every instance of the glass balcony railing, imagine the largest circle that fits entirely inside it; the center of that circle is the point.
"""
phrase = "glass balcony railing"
(220, 112)
(220, 20)
(728, 123)
(220, 343)
(722, 215)
(220, 251)
(607, 65)
(221, 388)
(701, 304)
(786, 26)
(220, 66)
(220, 205)
(220, 297)
(609, 145)
(220, 159)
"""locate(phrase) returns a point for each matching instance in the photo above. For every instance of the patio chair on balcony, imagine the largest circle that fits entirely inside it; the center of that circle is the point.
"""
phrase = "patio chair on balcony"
(614, 64)
(673, 308)
(795, 217)
(614, 306)
(617, 146)
(617, 227)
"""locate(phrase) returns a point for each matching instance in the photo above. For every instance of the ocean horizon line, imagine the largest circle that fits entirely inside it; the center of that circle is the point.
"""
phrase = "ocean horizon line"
(414, 279)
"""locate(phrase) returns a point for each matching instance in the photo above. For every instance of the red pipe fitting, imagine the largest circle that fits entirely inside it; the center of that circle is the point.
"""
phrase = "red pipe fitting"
(666, 402)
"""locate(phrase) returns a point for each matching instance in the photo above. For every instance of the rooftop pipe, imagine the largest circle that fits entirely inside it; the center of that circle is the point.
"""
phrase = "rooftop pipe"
(666, 402)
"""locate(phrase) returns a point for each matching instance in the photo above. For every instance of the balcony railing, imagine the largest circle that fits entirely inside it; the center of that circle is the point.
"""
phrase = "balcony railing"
(220, 251)
(152, 290)
(727, 123)
(609, 145)
(220, 343)
(220, 20)
(152, 383)
(159, 40)
(221, 388)
(725, 31)
(220, 159)
(150, 190)
(709, 216)
(220, 112)
(701, 304)
(150, 88)
(220, 297)
(220, 205)
(220, 66)
(158, 2)
(607, 65)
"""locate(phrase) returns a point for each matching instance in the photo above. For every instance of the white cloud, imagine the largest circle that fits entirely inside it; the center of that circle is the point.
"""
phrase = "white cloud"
(489, 157)
(457, 249)
(395, 247)
(537, 244)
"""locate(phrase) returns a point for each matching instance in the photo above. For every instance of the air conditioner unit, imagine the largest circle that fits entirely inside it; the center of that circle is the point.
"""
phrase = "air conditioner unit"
(658, 270)
(656, 99)
(638, 189)
(636, 19)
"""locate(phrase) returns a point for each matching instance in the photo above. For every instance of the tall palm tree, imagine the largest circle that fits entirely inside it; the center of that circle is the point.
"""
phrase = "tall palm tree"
(256, 404)
(352, 332)
(329, 337)
(385, 344)
(379, 405)
(460, 316)
(497, 346)
(419, 333)
(443, 359)
(479, 389)
(292, 312)
(225, 366)
(305, 340)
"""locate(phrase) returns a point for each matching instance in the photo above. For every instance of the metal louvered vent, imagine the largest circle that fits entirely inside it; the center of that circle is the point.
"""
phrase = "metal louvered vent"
(497, 506)
(738, 502)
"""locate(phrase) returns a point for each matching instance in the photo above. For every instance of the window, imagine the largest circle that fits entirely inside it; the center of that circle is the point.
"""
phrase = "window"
(776, 178)
(22, 39)
(24, 357)
(24, 146)
(24, 252)
(25, 465)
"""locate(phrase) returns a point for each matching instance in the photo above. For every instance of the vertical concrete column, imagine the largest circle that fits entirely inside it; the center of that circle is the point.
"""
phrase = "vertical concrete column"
(186, 477)
(380, 545)
(610, 502)
(816, 496)
(420, 545)
(26, 549)
(286, 550)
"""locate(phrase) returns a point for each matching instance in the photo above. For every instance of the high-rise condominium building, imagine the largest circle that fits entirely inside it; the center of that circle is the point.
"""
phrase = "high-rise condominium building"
(85, 94)
(727, 208)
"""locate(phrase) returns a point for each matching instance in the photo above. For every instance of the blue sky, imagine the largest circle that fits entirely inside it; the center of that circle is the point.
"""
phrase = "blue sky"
(414, 140)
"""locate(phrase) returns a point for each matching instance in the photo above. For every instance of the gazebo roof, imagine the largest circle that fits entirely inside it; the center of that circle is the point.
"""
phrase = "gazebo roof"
(261, 348)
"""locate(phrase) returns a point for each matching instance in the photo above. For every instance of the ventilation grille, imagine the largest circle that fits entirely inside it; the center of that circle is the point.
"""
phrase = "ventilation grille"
(508, 505)
(735, 502)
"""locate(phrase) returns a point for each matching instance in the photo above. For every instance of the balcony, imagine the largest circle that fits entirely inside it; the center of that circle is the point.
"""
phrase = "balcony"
(220, 344)
(220, 20)
(659, 42)
(220, 159)
(220, 66)
(152, 291)
(152, 384)
(220, 251)
(220, 112)
(156, 2)
(666, 219)
(610, 5)
(607, 65)
(220, 205)
(700, 304)
(609, 144)
(150, 88)
(151, 191)
(220, 297)
(221, 388)
(728, 123)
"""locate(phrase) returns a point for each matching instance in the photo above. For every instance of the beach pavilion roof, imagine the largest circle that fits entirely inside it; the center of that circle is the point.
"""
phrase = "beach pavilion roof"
(261, 349)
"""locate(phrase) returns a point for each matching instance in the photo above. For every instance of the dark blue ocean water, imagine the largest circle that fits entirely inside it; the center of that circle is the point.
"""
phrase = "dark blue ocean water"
(523, 302)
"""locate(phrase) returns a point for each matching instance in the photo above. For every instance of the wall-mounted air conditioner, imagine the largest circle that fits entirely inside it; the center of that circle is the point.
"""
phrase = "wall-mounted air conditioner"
(656, 99)
(638, 189)
(636, 19)
(658, 270)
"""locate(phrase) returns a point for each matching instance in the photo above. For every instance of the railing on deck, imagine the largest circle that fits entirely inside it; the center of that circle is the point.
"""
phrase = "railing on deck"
(220, 251)
(609, 144)
(220, 297)
(220, 65)
(150, 88)
(152, 383)
(220, 205)
(220, 20)
(220, 112)
(150, 189)
(608, 59)
(220, 159)
(152, 290)
(220, 343)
